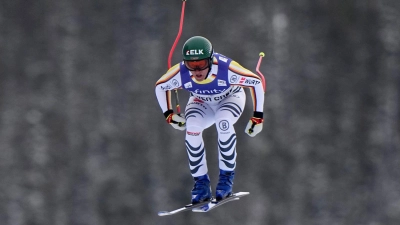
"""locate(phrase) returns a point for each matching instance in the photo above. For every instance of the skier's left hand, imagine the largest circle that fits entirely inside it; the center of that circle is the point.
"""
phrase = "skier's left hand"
(255, 125)
(175, 120)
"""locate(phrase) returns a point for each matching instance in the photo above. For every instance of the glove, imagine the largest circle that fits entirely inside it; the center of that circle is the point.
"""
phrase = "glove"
(255, 125)
(175, 120)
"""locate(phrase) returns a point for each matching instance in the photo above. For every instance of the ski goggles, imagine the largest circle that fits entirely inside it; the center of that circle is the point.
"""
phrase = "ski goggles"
(197, 64)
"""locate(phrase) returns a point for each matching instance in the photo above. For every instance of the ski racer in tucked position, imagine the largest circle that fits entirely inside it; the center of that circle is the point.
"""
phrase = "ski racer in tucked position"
(215, 83)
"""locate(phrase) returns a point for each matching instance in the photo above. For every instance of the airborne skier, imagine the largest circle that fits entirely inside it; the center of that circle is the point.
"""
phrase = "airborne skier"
(215, 83)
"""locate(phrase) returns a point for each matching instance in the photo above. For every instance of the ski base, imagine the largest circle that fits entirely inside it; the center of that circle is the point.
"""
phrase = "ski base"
(214, 204)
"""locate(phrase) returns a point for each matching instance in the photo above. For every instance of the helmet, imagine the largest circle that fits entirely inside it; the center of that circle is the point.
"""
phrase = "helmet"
(197, 48)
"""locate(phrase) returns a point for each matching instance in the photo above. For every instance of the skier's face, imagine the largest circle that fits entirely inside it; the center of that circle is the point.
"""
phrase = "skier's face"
(200, 75)
(198, 68)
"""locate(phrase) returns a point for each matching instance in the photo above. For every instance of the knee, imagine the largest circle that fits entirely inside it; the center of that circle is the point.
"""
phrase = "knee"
(194, 130)
(195, 124)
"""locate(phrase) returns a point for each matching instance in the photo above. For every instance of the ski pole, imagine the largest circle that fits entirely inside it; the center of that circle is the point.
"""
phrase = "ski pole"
(258, 69)
(178, 108)
(251, 130)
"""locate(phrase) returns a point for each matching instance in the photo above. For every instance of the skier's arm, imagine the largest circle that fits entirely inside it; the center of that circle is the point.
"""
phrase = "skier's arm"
(169, 81)
(241, 76)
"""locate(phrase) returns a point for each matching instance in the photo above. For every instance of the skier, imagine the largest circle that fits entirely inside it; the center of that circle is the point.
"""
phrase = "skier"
(215, 83)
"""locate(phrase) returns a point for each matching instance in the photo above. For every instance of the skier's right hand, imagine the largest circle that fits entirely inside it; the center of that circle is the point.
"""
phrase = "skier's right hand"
(255, 124)
(175, 120)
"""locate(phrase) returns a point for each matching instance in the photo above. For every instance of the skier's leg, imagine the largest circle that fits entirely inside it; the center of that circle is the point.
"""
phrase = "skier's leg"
(198, 117)
(227, 114)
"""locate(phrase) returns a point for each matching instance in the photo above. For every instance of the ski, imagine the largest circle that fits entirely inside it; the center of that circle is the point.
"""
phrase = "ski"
(214, 204)
(183, 209)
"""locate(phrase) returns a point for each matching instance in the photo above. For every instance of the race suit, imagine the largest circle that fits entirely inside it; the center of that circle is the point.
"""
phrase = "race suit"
(219, 99)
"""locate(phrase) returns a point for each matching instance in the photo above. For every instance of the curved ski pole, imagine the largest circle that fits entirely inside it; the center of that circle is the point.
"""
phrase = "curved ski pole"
(251, 130)
(258, 70)
(178, 108)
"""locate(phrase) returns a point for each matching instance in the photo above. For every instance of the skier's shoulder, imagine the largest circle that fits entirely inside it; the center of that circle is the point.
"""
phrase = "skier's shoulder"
(172, 72)
(220, 57)
(226, 59)
(238, 69)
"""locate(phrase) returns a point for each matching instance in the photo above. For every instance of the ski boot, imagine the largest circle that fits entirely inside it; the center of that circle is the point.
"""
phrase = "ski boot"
(224, 186)
(201, 191)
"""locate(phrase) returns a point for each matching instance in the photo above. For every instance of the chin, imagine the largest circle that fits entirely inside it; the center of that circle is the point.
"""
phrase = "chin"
(199, 78)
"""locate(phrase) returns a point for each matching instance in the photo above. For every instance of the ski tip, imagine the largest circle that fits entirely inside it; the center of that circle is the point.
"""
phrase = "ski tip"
(242, 193)
(163, 213)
